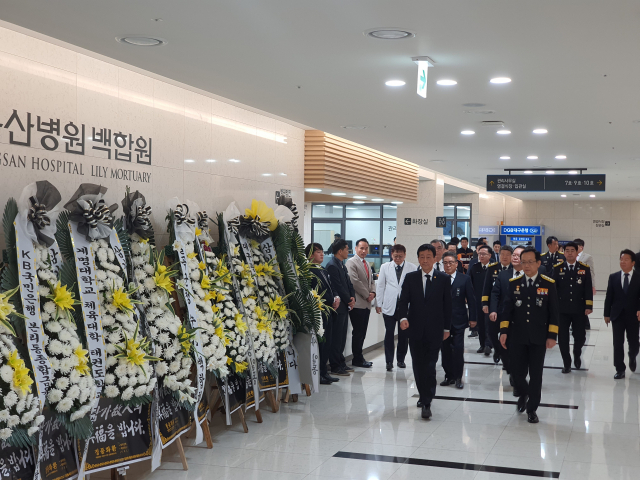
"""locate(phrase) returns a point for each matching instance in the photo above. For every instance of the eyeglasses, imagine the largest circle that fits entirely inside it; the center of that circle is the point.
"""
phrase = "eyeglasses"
(449, 263)
(528, 263)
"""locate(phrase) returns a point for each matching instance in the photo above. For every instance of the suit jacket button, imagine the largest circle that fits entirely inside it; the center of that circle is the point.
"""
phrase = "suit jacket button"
(527, 321)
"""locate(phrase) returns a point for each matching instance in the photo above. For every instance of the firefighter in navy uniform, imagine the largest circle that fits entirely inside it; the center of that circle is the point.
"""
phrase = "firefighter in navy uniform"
(530, 321)
(550, 258)
(573, 283)
(493, 270)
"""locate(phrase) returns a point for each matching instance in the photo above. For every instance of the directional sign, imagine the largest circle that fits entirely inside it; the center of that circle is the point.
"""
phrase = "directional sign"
(423, 68)
(546, 183)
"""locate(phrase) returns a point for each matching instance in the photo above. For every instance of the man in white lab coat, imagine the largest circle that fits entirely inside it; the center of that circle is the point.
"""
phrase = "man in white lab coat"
(388, 291)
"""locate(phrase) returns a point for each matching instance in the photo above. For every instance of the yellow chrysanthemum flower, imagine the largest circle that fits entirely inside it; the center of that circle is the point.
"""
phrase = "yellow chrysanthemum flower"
(135, 354)
(229, 361)
(220, 331)
(236, 250)
(205, 283)
(6, 308)
(198, 232)
(83, 361)
(241, 367)
(62, 298)
(265, 326)
(215, 308)
(192, 255)
(163, 281)
(240, 324)
(202, 266)
(221, 297)
(183, 338)
(121, 300)
(210, 296)
(144, 240)
(21, 379)
(262, 213)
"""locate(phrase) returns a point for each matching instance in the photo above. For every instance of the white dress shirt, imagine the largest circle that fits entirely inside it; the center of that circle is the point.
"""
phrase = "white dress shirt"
(516, 273)
(622, 277)
(441, 266)
(453, 276)
(531, 278)
(424, 283)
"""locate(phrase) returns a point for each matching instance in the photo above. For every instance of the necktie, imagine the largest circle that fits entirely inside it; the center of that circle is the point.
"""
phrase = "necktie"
(427, 284)
(399, 272)
(625, 285)
(531, 283)
(366, 267)
(571, 268)
(484, 267)
(437, 266)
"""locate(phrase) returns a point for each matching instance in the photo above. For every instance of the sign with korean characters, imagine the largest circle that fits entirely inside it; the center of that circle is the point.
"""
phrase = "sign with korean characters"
(173, 418)
(16, 463)
(57, 456)
(546, 183)
(522, 230)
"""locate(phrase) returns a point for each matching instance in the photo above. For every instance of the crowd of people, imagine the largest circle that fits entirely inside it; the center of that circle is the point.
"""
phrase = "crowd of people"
(517, 302)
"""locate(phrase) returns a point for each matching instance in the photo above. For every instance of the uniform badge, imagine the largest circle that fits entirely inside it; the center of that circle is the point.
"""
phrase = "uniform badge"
(517, 289)
(518, 303)
(539, 302)
(579, 281)
(457, 292)
(581, 272)
(543, 291)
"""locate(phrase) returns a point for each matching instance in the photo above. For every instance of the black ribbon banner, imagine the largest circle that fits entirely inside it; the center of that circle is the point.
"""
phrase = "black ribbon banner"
(283, 371)
(122, 435)
(173, 419)
(16, 463)
(57, 459)
(236, 387)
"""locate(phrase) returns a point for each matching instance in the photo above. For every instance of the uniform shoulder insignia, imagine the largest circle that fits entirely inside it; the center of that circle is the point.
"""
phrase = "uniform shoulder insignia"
(548, 278)
(543, 254)
(584, 264)
(559, 263)
(493, 264)
(514, 278)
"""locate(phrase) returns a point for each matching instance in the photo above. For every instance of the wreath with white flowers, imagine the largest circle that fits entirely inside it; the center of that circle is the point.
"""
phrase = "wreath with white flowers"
(129, 376)
(19, 407)
(212, 334)
(172, 341)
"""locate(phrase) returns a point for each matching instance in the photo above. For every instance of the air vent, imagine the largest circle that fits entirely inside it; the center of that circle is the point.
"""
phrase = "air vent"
(479, 112)
(492, 123)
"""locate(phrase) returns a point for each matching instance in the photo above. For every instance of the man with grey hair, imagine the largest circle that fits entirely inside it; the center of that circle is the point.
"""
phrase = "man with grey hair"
(440, 247)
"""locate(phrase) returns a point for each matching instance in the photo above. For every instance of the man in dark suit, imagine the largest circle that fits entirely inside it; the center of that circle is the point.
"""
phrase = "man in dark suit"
(573, 282)
(478, 272)
(425, 309)
(497, 301)
(322, 284)
(493, 270)
(531, 324)
(495, 257)
(451, 247)
(622, 309)
(550, 258)
(453, 347)
(341, 285)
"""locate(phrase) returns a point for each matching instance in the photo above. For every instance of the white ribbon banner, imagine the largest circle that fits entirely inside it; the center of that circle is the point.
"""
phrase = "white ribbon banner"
(87, 285)
(116, 246)
(193, 322)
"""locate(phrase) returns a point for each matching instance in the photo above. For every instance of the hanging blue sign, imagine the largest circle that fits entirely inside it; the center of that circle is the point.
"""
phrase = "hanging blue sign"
(522, 230)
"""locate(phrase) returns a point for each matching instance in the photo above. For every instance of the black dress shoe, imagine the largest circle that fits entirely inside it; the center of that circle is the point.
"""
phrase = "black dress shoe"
(522, 403)
(402, 365)
(389, 367)
(532, 417)
(577, 361)
(496, 357)
(419, 404)
(426, 412)
(324, 380)
(473, 334)
(363, 364)
(619, 375)
(348, 369)
(487, 351)
(447, 381)
(480, 350)
(333, 379)
(566, 370)
(341, 371)
(633, 364)
(459, 383)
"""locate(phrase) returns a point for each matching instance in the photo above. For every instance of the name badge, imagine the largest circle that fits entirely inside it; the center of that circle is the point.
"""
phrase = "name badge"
(518, 303)
(561, 273)
(543, 291)
(517, 289)
(579, 281)
(457, 292)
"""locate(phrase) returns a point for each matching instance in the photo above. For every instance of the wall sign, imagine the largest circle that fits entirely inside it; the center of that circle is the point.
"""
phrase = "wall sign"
(489, 230)
(441, 222)
(546, 183)
(522, 230)
(416, 221)
(602, 223)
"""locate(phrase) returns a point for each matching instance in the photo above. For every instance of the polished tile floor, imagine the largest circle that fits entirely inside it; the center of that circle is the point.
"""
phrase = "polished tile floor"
(372, 414)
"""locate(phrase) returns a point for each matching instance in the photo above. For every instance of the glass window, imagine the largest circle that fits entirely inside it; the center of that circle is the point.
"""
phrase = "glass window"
(327, 211)
(363, 211)
(388, 234)
(323, 233)
(463, 229)
(389, 211)
(463, 211)
(449, 211)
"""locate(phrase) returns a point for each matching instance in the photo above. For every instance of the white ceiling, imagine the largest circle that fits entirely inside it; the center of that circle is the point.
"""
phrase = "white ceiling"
(574, 65)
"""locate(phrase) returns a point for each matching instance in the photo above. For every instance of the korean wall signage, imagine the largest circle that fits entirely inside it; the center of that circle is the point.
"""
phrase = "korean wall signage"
(488, 230)
(546, 183)
(522, 230)
(416, 221)
(58, 137)
(602, 223)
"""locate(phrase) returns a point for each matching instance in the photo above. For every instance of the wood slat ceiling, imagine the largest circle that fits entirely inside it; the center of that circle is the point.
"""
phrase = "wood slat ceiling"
(335, 164)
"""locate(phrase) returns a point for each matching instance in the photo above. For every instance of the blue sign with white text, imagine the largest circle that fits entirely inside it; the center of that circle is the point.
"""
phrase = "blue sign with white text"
(522, 230)
(521, 239)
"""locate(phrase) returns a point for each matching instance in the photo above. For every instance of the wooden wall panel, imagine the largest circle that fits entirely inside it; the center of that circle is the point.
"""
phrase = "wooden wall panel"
(336, 164)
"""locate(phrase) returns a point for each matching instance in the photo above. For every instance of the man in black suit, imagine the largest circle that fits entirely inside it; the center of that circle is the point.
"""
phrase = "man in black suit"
(622, 309)
(478, 272)
(573, 282)
(493, 270)
(550, 258)
(531, 324)
(497, 246)
(341, 285)
(322, 284)
(453, 347)
(425, 309)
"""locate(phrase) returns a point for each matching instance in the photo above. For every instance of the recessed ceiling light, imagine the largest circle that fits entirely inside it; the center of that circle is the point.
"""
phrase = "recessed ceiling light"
(540, 131)
(338, 194)
(397, 203)
(505, 158)
(592, 196)
(377, 199)
(573, 172)
(528, 171)
(210, 160)
(467, 132)
(532, 157)
(359, 197)
(234, 160)
(563, 196)
(561, 157)
(550, 172)
(313, 190)
(141, 41)
(189, 160)
(500, 80)
(266, 174)
(503, 132)
(283, 174)
(358, 202)
(446, 83)
(395, 83)
(389, 33)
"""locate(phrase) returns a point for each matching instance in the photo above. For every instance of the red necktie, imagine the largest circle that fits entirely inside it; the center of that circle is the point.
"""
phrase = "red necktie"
(366, 267)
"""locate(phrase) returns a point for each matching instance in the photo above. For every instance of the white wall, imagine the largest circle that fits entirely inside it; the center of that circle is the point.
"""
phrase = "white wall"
(71, 84)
